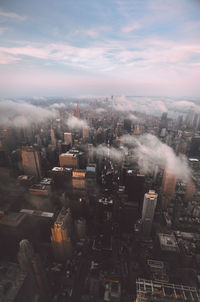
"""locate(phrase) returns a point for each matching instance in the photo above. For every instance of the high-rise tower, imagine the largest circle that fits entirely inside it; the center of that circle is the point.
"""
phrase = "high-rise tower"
(168, 187)
(61, 235)
(149, 205)
(30, 262)
(31, 161)
(77, 113)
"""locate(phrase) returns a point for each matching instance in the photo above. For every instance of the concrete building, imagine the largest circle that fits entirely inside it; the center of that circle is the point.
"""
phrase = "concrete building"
(61, 235)
(31, 161)
(168, 187)
(53, 138)
(30, 263)
(80, 228)
(148, 290)
(112, 291)
(85, 132)
(148, 209)
(168, 243)
(68, 138)
(15, 285)
(70, 160)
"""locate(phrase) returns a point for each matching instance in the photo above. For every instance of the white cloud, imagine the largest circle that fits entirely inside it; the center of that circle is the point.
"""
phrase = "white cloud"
(149, 151)
(21, 114)
(11, 15)
(75, 123)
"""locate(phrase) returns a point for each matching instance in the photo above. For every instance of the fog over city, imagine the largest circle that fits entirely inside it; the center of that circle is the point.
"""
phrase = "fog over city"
(100, 151)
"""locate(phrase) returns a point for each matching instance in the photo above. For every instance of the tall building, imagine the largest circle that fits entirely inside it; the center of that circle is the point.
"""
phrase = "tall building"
(127, 125)
(149, 205)
(53, 138)
(85, 132)
(134, 187)
(190, 190)
(163, 121)
(31, 161)
(61, 235)
(168, 187)
(77, 113)
(68, 138)
(195, 147)
(30, 262)
(70, 160)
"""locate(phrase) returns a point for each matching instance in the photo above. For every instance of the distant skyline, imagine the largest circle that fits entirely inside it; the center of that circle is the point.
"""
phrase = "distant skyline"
(99, 47)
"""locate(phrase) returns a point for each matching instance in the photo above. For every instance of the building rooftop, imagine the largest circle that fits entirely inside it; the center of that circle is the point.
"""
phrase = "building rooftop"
(46, 181)
(148, 290)
(11, 281)
(62, 216)
(12, 219)
(168, 242)
(37, 213)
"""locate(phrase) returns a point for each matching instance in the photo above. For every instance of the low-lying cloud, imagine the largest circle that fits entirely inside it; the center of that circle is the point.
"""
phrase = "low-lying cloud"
(150, 151)
(75, 123)
(109, 152)
(155, 105)
(21, 114)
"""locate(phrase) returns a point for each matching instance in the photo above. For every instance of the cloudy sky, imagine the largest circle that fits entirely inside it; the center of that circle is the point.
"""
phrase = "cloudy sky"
(100, 47)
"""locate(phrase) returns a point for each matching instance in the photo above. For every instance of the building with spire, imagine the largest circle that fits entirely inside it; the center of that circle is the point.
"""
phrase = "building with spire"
(77, 113)
(30, 263)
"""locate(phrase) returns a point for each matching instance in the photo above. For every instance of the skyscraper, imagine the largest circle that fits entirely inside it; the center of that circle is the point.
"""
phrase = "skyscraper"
(149, 205)
(168, 187)
(31, 161)
(68, 138)
(61, 235)
(134, 187)
(30, 262)
(53, 138)
(77, 113)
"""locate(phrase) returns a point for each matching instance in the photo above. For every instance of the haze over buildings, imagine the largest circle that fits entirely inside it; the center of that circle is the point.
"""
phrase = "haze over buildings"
(99, 174)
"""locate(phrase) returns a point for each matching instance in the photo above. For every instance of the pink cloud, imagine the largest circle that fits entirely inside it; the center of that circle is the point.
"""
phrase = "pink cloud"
(131, 27)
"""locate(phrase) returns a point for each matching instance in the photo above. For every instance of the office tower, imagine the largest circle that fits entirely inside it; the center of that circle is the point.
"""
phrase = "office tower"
(70, 160)
(196, 121)
(80, 228)
(148, 209)
(127, 125)
(195, 147)
(77, 113)
(180, 121)
(61, 235)
(134, 187)
(53, 138)
(30, 262)
(190, 190)
(68, 138)
(85, 132)
(163, 121)
(168, 187)
(90, 153)
(189, 118)
(31, 161)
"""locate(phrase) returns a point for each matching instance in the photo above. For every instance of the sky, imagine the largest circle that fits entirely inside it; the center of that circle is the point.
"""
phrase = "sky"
(99, 47)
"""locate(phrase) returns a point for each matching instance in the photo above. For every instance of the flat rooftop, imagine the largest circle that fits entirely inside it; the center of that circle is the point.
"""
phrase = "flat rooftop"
(168, 242)
(37, 213)
(12, 219)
